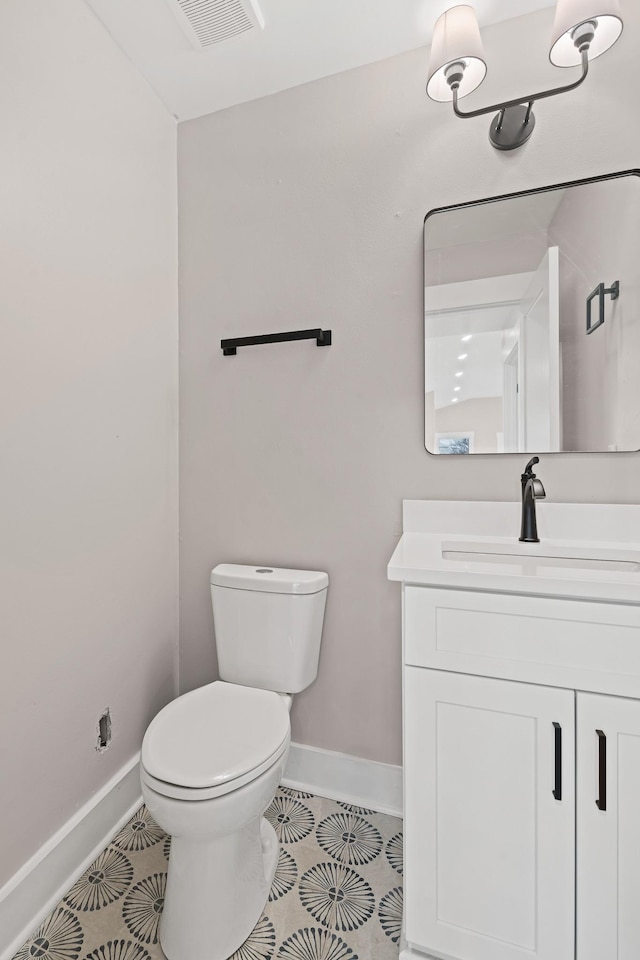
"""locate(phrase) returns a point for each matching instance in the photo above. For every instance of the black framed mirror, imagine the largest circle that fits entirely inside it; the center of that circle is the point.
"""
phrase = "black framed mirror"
(532, 320)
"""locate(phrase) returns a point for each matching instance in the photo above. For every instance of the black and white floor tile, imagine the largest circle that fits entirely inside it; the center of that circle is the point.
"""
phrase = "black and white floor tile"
(336, 895)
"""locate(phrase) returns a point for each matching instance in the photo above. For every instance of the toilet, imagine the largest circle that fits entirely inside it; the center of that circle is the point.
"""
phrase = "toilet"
(213, 758)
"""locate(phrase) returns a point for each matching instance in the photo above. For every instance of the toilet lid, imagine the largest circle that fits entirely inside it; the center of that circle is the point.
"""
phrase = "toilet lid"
(215, 734)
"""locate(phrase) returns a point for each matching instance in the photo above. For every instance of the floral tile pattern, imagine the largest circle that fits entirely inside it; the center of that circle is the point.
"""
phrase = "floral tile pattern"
(394, 852)
(291, 819)
(349, 838)
(108, 878)
(336, 894)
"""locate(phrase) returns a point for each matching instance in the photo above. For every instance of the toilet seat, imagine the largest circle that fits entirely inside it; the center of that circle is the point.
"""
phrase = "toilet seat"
(214, 740)
(176, 792)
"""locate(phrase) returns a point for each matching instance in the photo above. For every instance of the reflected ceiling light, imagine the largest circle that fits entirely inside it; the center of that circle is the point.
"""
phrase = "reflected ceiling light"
(459, 373)
(455, 389)
(454, 399)
(582, 31)
(463, 356)
(466, 338)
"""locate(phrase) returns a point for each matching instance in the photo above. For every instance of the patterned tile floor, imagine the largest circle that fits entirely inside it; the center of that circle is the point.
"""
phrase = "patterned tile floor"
(337, 892)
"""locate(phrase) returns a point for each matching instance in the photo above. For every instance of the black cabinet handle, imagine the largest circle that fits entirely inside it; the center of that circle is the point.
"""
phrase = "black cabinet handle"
(601, 802)
(557, 790)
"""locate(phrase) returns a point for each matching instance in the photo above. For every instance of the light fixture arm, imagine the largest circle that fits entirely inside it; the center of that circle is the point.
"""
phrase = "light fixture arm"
(522, 100)
(514, 122)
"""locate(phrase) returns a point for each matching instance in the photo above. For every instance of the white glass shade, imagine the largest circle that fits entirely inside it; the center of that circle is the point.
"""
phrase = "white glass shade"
(570, 14)
(456, 39)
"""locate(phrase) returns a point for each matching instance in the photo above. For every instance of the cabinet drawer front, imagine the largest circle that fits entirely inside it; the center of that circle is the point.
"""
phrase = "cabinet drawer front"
(568, 643)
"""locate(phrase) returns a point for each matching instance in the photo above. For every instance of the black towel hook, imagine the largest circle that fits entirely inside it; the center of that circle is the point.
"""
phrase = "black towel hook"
(600, 292)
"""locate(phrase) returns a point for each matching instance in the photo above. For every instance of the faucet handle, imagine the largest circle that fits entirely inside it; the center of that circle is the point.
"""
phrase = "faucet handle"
(528, 472)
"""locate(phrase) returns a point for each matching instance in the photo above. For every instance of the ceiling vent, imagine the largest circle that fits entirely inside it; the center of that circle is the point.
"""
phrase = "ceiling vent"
(206, 22)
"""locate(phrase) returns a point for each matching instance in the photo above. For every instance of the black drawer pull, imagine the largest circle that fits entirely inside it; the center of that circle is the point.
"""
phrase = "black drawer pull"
(601, 802)
(557, 790)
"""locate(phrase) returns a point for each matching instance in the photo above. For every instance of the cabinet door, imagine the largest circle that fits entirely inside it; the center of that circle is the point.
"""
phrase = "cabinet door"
(489, 849)
(608, 828)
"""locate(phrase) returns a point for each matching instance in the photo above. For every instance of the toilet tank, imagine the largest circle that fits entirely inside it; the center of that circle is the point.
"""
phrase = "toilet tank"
(268, 624)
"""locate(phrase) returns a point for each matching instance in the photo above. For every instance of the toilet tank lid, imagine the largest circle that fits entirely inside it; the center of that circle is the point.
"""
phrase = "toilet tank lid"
(265, 579)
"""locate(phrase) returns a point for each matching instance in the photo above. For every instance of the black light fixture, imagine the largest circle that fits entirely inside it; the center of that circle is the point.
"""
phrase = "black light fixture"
(582, 30)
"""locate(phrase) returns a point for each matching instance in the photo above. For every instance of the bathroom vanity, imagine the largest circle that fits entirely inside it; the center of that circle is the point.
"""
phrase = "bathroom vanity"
(521, 674)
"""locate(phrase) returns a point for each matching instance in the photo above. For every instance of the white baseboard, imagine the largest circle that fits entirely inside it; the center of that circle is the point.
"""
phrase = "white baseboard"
(38, 886)
(365, 783)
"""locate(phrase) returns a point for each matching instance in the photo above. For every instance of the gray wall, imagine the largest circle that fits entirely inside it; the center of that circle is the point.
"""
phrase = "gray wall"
(88, 399)
(306, 209)
(597, 228)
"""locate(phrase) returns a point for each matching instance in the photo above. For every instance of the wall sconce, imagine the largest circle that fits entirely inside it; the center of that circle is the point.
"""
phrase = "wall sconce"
(582, 30)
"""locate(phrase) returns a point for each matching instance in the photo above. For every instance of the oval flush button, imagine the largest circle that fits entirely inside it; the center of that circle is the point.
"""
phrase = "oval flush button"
(264, 570)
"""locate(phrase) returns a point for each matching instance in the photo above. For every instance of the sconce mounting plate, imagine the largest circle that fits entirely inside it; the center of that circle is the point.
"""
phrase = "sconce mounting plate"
(512, 127)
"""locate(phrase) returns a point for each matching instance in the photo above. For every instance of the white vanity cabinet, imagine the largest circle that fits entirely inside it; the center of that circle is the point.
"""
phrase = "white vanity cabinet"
(514, 789)
(521, 692)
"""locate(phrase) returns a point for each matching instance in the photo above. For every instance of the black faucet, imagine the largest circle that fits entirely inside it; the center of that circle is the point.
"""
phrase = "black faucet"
(532, 490)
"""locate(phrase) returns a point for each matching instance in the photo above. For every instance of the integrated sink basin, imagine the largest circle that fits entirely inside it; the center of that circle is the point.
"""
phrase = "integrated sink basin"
(541, 555)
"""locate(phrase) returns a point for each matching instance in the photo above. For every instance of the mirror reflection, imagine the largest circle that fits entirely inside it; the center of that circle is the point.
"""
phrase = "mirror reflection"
(532, 330)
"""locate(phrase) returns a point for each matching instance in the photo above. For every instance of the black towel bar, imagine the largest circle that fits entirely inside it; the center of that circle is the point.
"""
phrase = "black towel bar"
(321, 337)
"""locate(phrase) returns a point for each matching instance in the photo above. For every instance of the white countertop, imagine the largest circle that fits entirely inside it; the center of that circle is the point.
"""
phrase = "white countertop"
(510, 566)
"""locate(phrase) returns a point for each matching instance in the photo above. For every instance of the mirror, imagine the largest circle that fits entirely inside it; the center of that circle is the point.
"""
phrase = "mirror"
(532, 321)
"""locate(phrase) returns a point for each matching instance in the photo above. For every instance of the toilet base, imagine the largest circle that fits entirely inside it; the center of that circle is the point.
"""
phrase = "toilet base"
(222, 863)
(205, 921)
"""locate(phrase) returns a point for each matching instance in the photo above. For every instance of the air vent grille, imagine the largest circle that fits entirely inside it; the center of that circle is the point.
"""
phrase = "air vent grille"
(210, 21)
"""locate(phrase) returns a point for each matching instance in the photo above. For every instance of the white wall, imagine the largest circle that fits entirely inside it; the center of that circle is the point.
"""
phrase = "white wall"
(304, 209)
(88, 387)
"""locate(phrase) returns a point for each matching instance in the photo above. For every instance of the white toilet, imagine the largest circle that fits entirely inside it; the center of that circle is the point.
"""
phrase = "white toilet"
(212, 759)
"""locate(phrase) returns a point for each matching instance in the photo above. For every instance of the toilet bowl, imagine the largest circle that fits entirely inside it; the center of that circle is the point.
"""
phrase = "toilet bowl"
(211, 764)
(212, 759)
